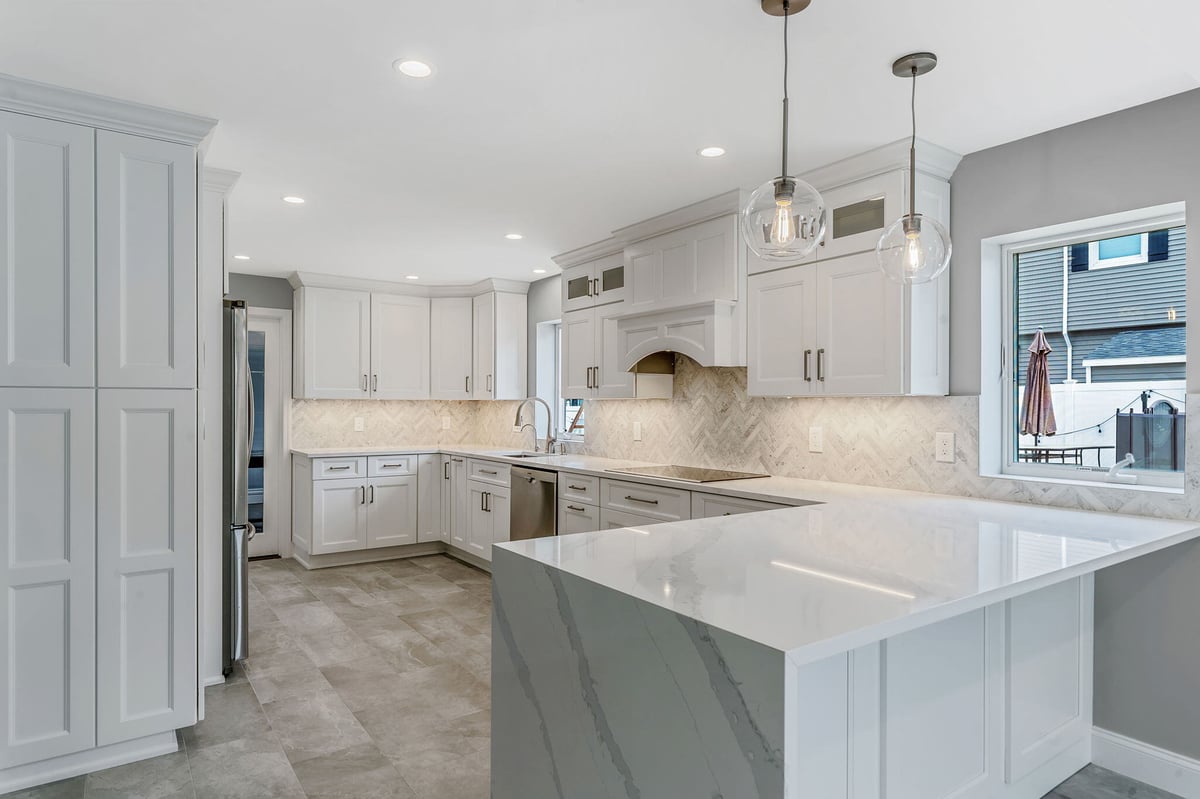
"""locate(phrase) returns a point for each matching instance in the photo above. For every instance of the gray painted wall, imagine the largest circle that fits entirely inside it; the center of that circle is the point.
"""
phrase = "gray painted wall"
(545, 304)
(261, 292)
(1147, 624)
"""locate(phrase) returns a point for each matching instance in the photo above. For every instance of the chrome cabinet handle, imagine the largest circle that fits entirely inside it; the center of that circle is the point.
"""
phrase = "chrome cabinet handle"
(446, 470)
(486, 471)
(807, 358)
(821, 364)
(489, 384)
(595, 377)
(391, 465)
(577, 488)
(575, 508)
(467, 383)
(363, 501)
(372, 494)
(364, 383)
(374, 382)
(457, 460)
(337, 468)
(639, 499)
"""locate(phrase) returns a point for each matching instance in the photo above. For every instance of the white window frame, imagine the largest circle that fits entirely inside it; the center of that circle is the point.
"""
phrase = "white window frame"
(998, 402)
(1096, 262)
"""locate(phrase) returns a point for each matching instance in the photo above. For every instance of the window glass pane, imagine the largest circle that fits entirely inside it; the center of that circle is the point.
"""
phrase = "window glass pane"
(1110, 380)
(1121, 247)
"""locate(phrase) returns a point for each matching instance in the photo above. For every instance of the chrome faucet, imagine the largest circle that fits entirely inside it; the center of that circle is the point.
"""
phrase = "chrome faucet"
(549, 423)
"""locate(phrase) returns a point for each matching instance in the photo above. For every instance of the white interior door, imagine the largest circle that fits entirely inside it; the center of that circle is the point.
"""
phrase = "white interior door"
(47, 252)
(47, 570)
(146, 563)
(270, 498)
(399, 347)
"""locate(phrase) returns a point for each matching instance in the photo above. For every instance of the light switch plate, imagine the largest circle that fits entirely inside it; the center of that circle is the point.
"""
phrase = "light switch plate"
(359, 424)
(944, 447)
(445, 422)
(637, 431)
(816, 439)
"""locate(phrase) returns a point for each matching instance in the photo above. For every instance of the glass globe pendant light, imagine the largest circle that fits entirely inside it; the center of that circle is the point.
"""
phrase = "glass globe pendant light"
(784, 219)
(914, 249)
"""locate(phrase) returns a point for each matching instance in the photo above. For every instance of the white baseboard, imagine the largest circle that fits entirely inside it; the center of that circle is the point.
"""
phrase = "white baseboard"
(60, 768)
(1161, 768)
(215, 679)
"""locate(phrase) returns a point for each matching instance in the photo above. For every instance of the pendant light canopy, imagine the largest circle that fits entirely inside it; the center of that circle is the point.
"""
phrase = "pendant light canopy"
(784, 219)
(914, 249)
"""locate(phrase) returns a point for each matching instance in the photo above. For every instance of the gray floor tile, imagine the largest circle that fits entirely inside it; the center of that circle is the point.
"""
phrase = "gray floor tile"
(314, 724)
(359, 772)
(63, 789)
(231, 712)
(1094, 782)
(163, 777)
(249, 768)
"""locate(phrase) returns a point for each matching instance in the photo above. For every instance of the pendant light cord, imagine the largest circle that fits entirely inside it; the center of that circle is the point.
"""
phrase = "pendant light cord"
(786, 13)
(912, 152)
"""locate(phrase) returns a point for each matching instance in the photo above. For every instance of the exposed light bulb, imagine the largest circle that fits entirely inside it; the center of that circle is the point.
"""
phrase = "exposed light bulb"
(914, 255)
(783, 229)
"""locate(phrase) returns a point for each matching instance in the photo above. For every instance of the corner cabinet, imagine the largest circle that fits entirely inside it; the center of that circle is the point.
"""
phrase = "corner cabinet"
(357, 503)
(451, 347)
(500, 352)
(399, 347)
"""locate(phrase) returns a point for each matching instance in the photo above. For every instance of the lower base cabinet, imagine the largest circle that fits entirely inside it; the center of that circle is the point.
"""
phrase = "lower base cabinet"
(391, 511)
(347, 504)
(487, 517)
(577, 517)
(458, 502)
(615, 519)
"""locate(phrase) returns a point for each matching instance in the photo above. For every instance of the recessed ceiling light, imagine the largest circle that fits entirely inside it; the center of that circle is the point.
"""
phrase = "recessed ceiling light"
(241, 257)
(413, 69)
(539, 271)
(412, 277)
(712, 152)
(293, 199)
(513, 236)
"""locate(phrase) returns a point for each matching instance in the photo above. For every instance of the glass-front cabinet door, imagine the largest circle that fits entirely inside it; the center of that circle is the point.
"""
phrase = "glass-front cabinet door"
(610, 279)
(579, 288)
(598, 282)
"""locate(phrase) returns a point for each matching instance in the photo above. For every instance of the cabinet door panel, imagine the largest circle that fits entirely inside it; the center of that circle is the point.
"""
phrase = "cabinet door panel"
(339, 516)
(484, 347)
(479, 521)
(693, 264)
(47, 569)
(610, 379)
(392, 511)
(445, 497)
(578, 353)
(857, 214)
(337, 343)
(609, 274)
(860, 312)
(578, 288)
(145, 262)
(577, 517)
(781, 333)
(399, 347)
(451, 347)
(459, 507)
(499, 509)
(47, 252)
(146, 563)
(429, 497)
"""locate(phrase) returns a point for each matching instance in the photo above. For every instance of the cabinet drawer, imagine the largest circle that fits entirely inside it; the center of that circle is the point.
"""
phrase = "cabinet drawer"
(707, 505)
(577, 517)
(668, 504)
(579, 487)
(337, 468)
(488, 472)
(616, 519)
(379, 465)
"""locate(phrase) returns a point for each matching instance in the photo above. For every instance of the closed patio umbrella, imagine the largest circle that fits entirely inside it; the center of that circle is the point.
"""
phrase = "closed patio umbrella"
(1037, 415)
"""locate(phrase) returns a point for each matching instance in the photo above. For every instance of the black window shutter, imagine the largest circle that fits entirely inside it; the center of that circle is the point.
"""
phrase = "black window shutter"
(1079, 257)
(1158, 245)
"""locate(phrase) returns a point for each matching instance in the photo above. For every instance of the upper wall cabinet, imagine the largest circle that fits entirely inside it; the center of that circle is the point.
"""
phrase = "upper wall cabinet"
(695, 264)
(333, 348)
(500, 355)
(451, 347)
(47, 252)
(145, 262)
(598, 282)
(399, 347)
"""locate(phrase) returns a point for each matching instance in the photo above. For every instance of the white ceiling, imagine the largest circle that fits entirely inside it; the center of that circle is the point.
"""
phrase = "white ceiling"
(566, 119)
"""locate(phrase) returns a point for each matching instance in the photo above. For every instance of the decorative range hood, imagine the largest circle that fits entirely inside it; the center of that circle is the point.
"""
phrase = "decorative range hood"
(706, 332)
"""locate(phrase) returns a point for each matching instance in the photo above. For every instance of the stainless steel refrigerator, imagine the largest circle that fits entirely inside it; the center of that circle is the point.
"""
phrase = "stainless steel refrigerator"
(236, 529)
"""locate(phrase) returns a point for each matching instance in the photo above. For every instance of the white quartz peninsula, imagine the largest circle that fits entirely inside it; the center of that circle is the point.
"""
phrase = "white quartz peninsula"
(900, 645)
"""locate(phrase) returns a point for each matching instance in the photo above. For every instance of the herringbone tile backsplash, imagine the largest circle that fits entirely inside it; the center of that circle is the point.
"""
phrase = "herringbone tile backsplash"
(883, 441)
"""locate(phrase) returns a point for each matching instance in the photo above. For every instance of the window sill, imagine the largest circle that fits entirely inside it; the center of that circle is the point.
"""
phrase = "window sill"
(1024, 478)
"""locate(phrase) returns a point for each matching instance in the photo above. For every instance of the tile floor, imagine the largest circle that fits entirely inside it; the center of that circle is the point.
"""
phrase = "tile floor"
(364, 682)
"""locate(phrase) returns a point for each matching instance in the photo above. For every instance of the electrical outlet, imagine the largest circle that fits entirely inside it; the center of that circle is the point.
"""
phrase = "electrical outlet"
(637, 431)
(943, 444)
(359, 424)
(816, 439)
(445, 422)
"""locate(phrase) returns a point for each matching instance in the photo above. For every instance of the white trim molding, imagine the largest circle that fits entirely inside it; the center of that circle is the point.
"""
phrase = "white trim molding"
(93, 110)
(317, 280)
(1161, 768)
(61, 768)
(1148, 360)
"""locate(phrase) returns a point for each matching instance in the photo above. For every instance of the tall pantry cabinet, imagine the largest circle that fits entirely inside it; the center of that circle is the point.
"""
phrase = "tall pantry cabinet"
(98, 498)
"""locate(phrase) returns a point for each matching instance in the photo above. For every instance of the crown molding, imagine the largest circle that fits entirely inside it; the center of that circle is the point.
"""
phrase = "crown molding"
(722, 205)
(932, 159)
(590, 252)
(318, 280)
(83, 108)
(221, 180)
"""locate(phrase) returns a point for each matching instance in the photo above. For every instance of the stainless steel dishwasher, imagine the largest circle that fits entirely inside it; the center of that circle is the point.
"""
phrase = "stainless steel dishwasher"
(532, 509)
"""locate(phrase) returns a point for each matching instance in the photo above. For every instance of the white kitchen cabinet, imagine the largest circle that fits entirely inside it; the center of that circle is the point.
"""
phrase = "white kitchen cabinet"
(577, 517)
(594, 283)
(500, 352)
(459, 502)
(858, 213)
(695, 264)
(616, 519)
(339, 515)
(391, 511)
(445, 497)
(706, 506)
(591, 359)
(487, 517)
(47, 252)
(146, 562)
(400, 347)
(643, 499)
(145, 262)
(431, 476)
(48, 537)
(333, 347)
(451, 347)
(578, 354)
(839, 327)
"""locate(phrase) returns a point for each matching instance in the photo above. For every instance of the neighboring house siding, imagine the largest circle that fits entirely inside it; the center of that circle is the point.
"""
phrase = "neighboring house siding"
(1040, 291)
(1138, 294)
(1118, 374)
